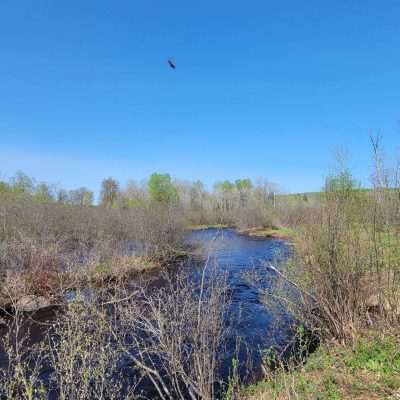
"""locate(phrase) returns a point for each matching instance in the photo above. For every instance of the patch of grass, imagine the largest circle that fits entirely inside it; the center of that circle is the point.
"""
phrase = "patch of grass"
(381, 356)
(102, 269)
(273, 232)
(118, 268)
(209, 226)
(370, 369)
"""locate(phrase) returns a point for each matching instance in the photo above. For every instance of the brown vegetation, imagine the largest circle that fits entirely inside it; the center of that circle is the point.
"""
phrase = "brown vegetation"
(46, 247)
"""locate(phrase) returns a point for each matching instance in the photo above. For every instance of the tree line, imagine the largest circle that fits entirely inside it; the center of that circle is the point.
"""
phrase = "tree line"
(160, 187)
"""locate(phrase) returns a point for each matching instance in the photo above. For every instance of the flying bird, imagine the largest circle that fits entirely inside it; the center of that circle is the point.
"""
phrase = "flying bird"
(171, 64)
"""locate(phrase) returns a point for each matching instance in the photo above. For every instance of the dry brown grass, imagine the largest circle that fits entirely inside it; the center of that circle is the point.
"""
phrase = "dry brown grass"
(47, 247)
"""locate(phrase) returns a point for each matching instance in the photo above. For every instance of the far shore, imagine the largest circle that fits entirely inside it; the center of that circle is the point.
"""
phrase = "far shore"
(268, 233)
(283, 233)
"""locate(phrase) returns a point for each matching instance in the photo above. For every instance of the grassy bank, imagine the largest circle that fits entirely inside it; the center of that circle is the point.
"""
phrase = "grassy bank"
(367, 370)
(209, 226)
(273, 232)
(49, 287)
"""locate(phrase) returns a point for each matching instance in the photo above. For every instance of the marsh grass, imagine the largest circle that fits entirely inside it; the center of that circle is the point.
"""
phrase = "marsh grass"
(48, 247)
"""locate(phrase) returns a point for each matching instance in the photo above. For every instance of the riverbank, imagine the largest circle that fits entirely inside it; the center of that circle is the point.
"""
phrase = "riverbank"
(283, 233)
(209, 226)
(32, 290)
(367, 370)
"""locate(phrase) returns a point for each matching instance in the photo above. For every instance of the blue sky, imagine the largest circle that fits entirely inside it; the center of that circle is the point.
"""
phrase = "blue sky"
(262, 88)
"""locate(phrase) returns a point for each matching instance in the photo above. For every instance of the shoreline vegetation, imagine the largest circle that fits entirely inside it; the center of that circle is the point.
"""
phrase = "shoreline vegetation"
(282, 233)
(209, 226)
(257, 232)
(123, 268)
(367, 370)
(344, 280)
(118, 270)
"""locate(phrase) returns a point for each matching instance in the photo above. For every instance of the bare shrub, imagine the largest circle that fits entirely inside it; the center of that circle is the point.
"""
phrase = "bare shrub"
(254, 216)
(83, 357)
(346, 272)
(40, 240)
(331, 264)
(21, 372)
(179, 333)
(122, 341)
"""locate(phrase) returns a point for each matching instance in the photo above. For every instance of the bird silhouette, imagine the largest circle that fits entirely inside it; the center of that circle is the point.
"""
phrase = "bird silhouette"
(171, 64)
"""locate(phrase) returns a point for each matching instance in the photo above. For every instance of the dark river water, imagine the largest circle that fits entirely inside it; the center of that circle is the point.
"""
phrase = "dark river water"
(245, 261)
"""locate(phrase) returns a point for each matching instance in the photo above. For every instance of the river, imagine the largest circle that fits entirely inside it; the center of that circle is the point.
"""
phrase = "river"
(246, 261)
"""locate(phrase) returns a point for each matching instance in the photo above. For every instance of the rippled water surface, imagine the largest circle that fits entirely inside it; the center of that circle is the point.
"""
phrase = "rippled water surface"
(245, 261)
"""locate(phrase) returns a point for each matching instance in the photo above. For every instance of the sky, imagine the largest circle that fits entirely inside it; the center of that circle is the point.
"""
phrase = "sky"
(261, 89)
